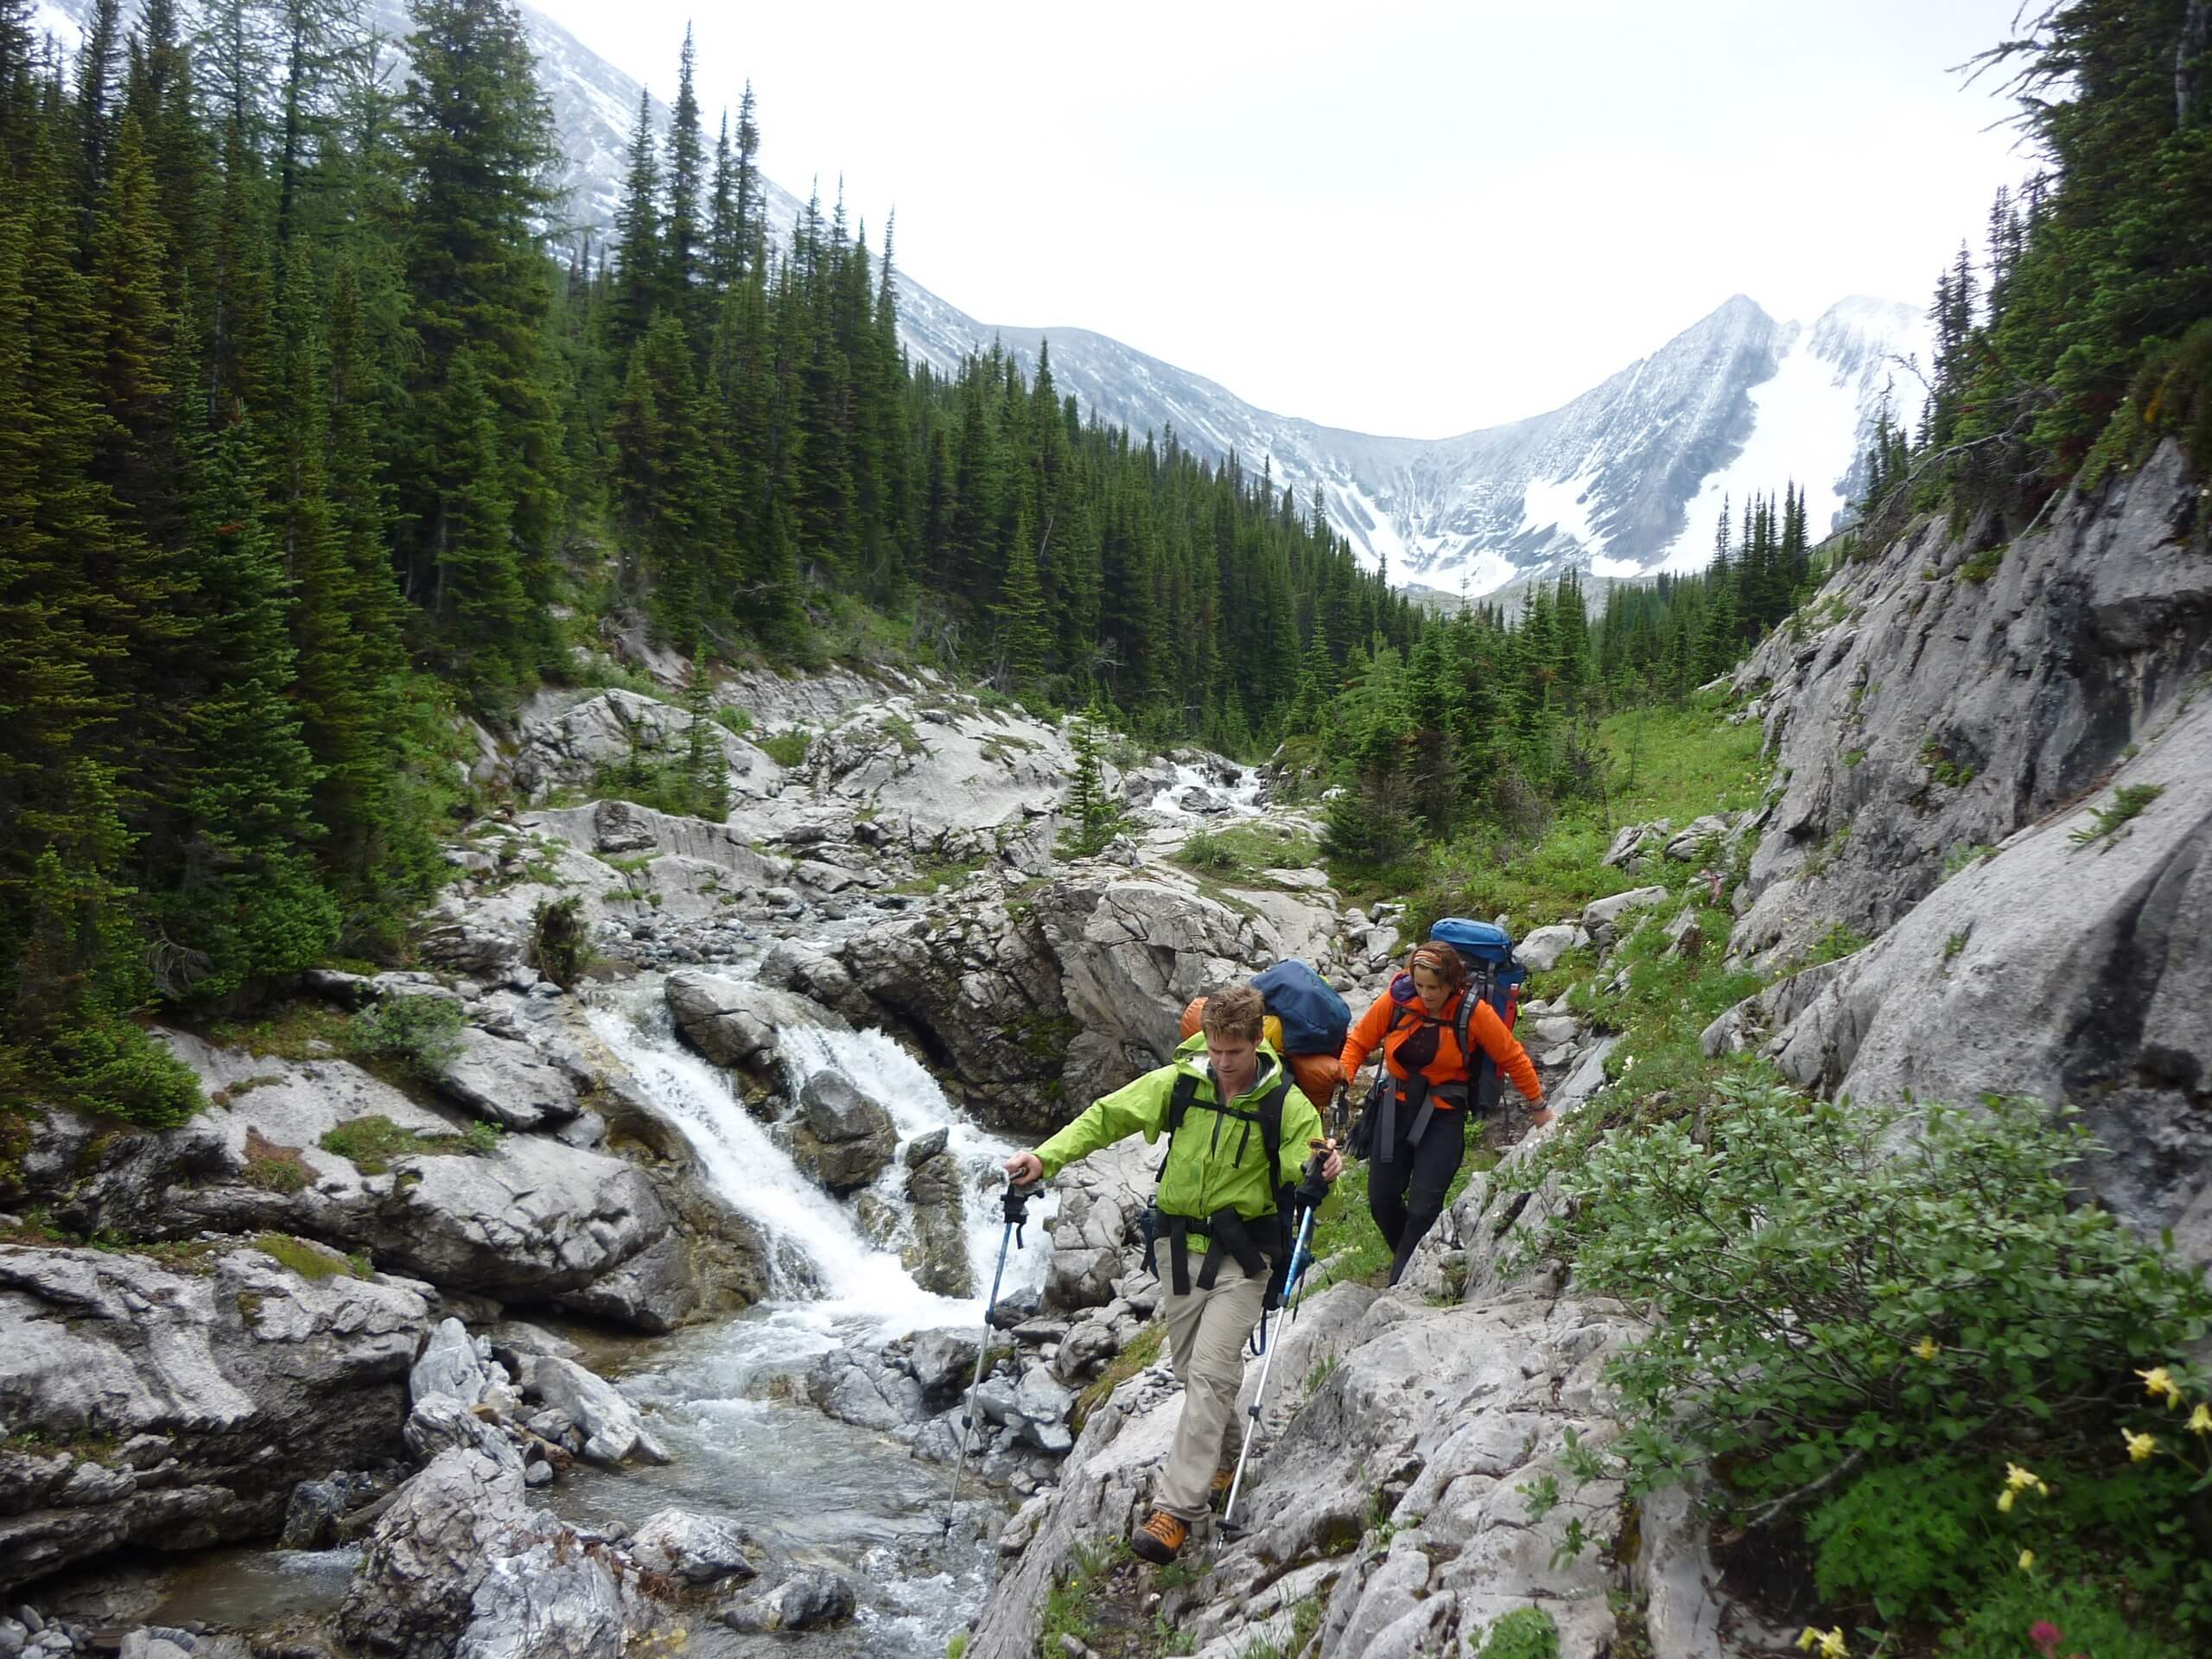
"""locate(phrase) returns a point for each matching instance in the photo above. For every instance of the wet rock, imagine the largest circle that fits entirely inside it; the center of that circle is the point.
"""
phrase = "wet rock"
(733, 1022)
(923, 1148)
(942, 1361)
(844, 1139)
(311, 1517)
(1086, 1347)
(939, 1256)
(449, 1366)
(697, 1549)
(805, 1601)
(614, 1432)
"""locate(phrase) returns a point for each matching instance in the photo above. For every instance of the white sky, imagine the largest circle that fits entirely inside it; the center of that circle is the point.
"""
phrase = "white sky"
(1406, 218)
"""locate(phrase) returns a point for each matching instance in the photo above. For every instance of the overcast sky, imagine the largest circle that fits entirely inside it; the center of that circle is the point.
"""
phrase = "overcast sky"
(1407, 219)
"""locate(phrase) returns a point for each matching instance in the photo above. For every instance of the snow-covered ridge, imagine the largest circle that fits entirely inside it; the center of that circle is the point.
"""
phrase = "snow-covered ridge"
(1626, 479)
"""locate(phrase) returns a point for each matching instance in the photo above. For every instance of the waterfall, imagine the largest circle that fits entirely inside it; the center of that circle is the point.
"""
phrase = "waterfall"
(1242, 797)
(828, 1280)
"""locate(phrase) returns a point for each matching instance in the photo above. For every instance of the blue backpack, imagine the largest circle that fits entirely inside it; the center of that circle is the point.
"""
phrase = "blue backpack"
(1496, 976)
(1314, 1018)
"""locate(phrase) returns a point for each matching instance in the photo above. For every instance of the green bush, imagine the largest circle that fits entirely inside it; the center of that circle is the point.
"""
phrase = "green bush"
(422, 1033)
(370, 1143)
(110, 1068)
(1524, 1633)
(1905, 1537)
(1831, 1285)
(2087, 1617)
(1205, 850)
(786, 748)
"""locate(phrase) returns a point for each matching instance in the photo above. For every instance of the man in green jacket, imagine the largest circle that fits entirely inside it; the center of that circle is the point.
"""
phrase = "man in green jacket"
(1219, 1213)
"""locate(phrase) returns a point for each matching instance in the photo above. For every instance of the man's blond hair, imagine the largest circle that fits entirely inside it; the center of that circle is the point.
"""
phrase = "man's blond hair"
(1236, 1014)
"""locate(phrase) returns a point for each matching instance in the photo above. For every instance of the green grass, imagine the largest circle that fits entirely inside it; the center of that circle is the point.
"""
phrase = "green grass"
(1070, 1606)
(372, 1143)
(311, 1261)
(1245, 850)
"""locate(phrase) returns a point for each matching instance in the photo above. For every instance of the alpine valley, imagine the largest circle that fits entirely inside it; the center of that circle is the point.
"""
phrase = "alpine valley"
(1627, 478)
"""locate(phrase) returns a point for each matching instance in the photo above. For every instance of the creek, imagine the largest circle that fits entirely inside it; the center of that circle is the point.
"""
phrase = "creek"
(728, 1399)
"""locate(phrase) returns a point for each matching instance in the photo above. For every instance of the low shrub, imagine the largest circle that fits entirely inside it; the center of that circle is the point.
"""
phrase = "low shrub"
(420, 1033)
(1832, 1286)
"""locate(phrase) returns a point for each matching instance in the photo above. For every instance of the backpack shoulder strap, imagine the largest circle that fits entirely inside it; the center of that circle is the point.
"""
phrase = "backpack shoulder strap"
(1464, 1020)
(1179, 1106)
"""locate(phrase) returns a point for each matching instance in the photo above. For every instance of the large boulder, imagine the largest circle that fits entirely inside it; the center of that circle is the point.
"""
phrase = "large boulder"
(461, 1568)
(735, 1022)
(842, 1139)
(697, 1549)
(177, 1408)
(506, 1082)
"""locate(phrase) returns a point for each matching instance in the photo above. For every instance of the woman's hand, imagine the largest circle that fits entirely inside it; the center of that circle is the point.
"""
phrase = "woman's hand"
(1540, 1117)
(1025, 1169)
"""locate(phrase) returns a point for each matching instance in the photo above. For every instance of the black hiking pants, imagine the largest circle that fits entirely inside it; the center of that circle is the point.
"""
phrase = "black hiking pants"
(1406, 1195)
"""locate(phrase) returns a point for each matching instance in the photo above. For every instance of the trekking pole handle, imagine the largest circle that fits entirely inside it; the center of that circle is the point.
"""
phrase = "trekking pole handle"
(1016, 1206)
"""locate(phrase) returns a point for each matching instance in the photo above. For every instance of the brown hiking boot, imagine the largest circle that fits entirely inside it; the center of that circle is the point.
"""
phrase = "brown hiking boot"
(1160, 1538)
(1218, 1494)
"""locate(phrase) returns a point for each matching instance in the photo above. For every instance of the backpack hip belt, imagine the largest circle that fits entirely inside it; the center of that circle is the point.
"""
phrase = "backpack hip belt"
(1227, 1235)
(1420, 1096)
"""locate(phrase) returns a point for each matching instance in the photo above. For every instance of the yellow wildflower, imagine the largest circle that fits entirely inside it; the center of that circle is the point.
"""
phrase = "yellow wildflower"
(1805, 1642)
(1832, 1644)
(2139, 1446)
(2018, 1478)
(1928, 1348)
(2005, 1501)
(2200, 1420)
(2158, 1381)
(2027, 1561)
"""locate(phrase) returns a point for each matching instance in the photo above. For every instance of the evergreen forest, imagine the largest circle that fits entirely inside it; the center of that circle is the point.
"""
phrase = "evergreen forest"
(324, 428)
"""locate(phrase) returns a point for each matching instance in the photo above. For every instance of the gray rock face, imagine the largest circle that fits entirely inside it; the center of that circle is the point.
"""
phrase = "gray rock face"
(1935, 715)
(2073, 963)
(218, 1392)
(938, 1255)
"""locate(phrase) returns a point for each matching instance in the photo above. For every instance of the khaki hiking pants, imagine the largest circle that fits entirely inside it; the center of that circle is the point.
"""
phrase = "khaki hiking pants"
(1206, 1341)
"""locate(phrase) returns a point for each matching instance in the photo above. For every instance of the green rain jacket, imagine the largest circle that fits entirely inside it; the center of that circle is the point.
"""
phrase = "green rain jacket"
(1216, 1162)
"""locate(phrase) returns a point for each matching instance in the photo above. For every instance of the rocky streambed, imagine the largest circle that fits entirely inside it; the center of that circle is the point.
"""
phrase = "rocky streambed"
(640, 1312)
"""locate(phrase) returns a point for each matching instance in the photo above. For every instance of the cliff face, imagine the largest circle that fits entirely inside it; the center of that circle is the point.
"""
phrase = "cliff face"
(2008, 781)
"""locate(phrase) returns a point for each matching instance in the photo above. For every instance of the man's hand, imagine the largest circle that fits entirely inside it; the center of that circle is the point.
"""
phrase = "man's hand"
(1025, 1169)
(1333, 1164)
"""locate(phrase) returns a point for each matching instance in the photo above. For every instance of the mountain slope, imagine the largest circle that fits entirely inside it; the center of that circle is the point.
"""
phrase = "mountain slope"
(1626, 479)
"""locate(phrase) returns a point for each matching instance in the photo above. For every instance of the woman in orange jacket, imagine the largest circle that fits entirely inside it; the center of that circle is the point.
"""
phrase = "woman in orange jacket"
(1421, 1137)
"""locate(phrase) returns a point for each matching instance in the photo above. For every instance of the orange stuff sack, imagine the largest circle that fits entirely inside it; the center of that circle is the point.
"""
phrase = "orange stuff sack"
(1317, 1075)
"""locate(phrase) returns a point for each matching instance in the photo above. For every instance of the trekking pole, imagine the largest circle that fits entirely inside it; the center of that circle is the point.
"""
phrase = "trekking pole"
(1016, 1206)
(1292, 1286)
